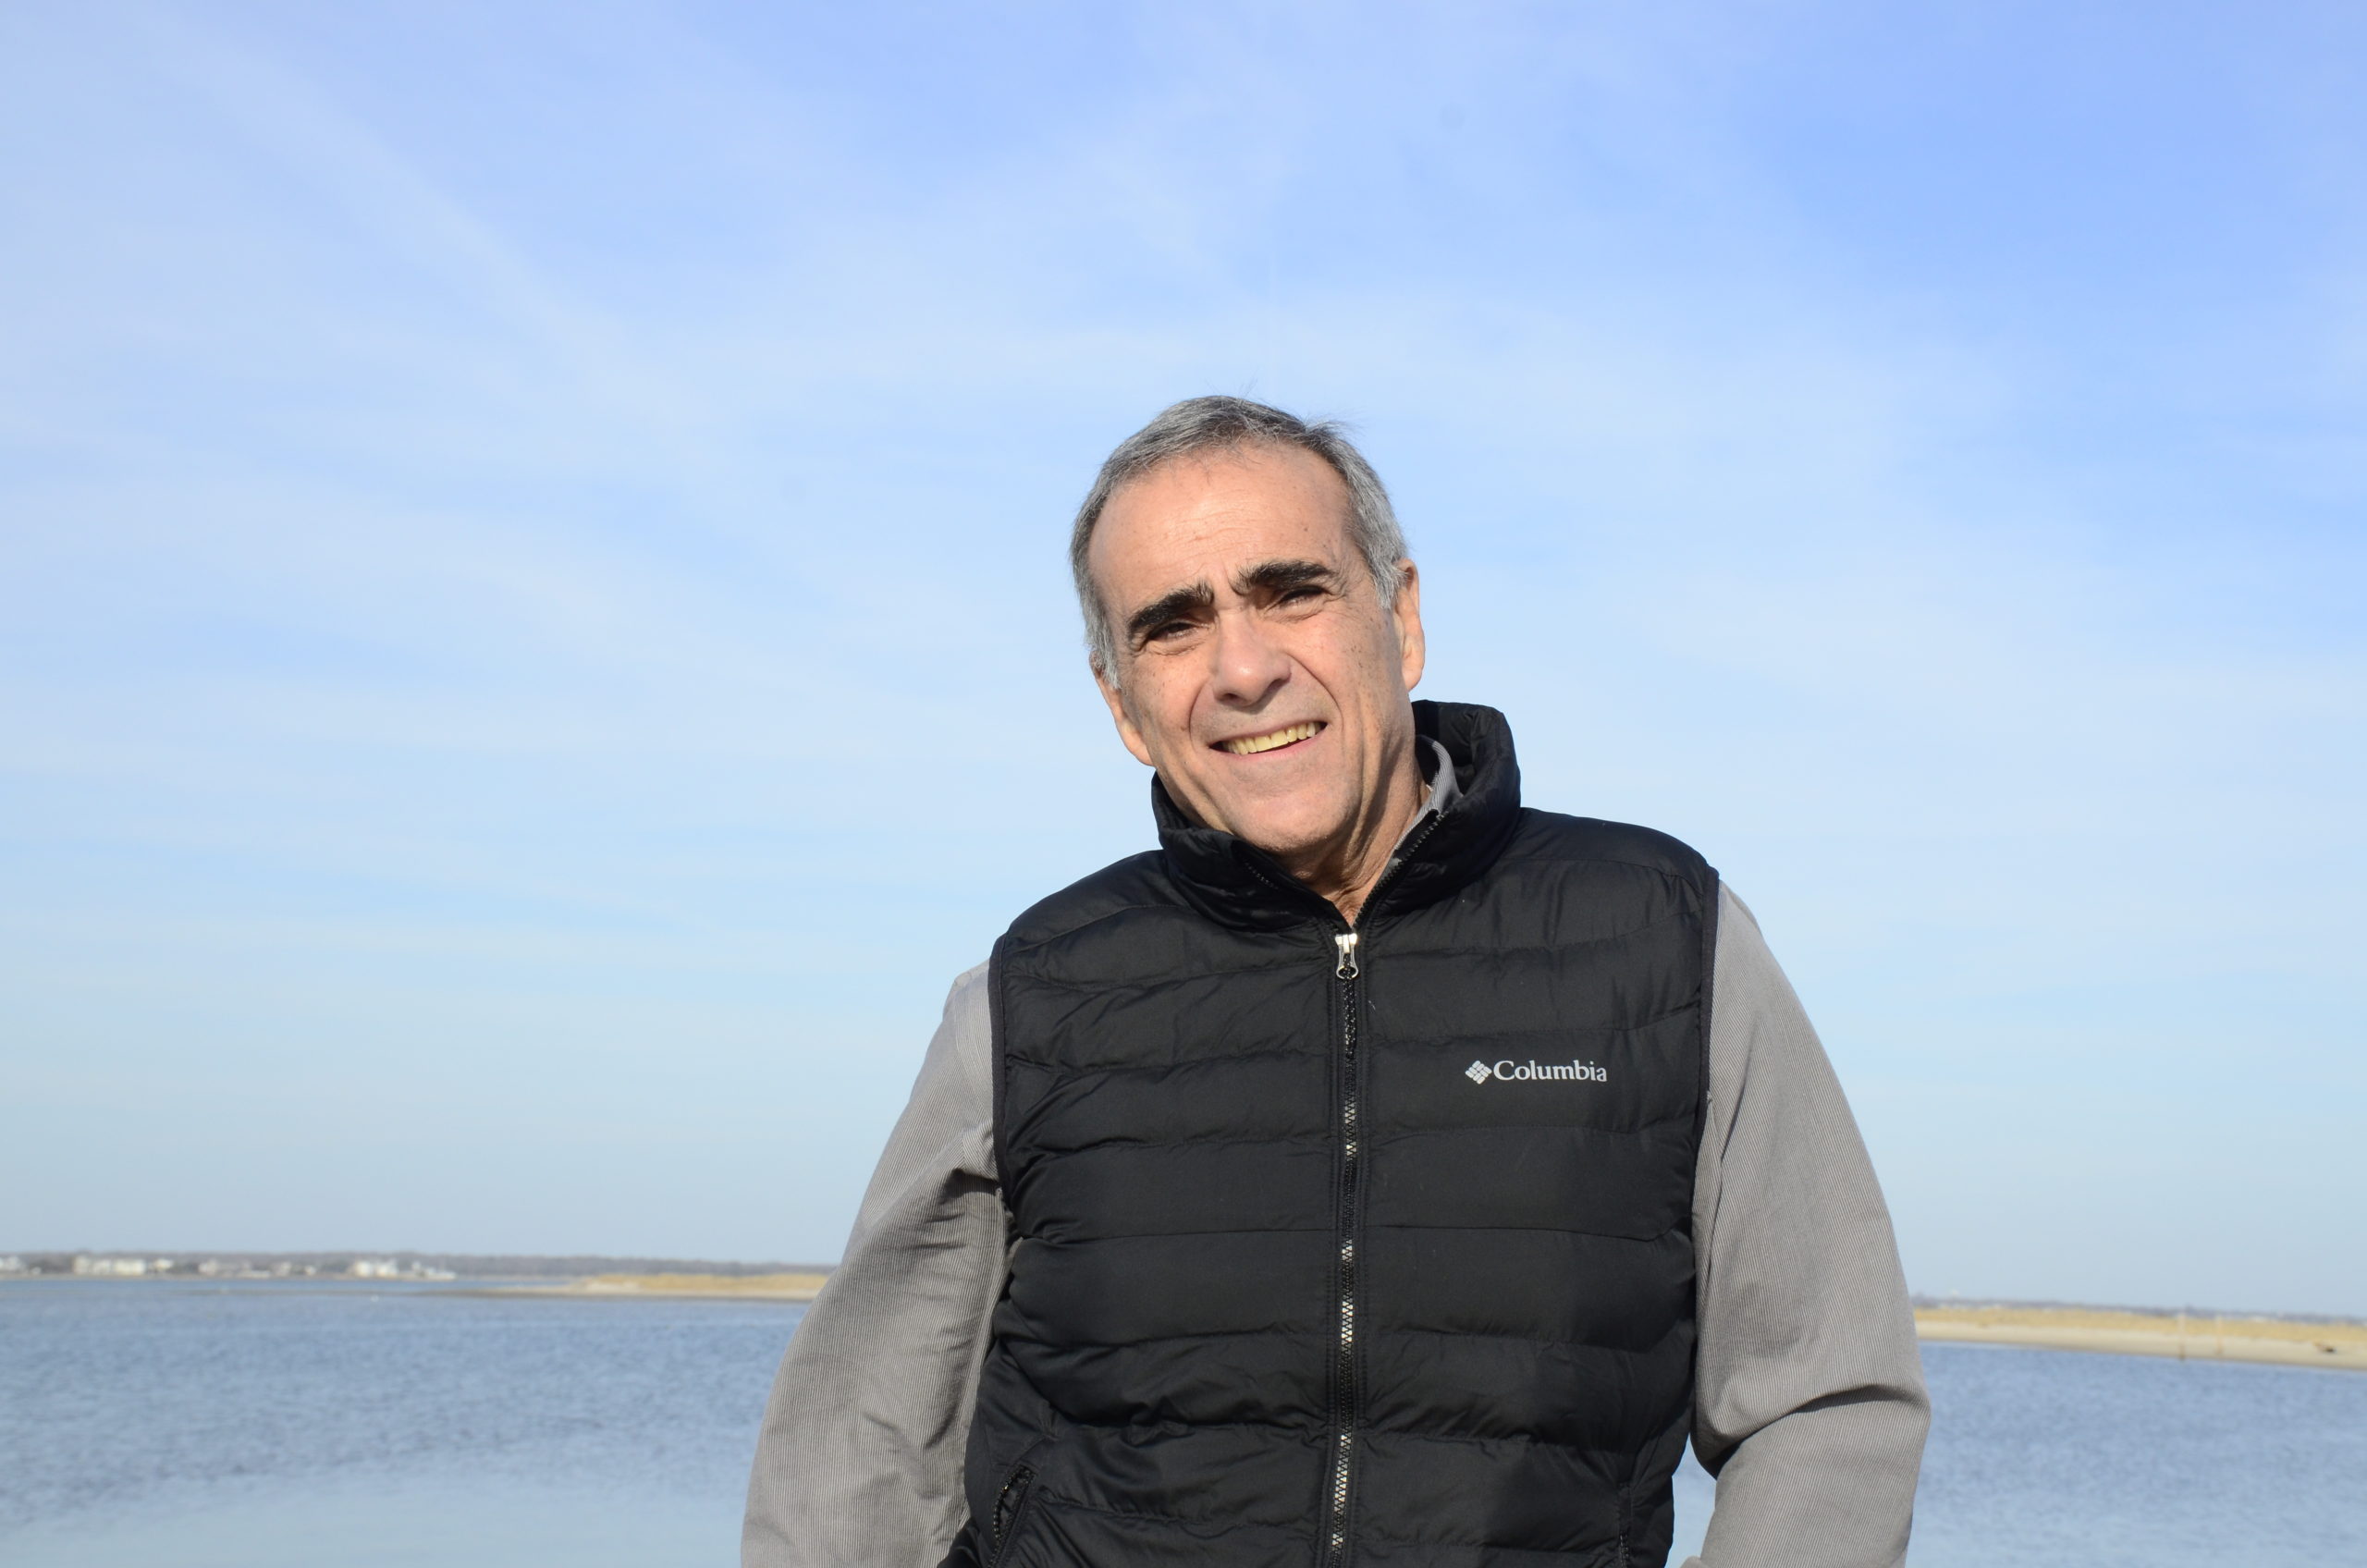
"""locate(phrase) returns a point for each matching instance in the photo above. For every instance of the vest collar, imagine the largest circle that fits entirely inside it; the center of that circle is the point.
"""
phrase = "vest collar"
(1238, 884)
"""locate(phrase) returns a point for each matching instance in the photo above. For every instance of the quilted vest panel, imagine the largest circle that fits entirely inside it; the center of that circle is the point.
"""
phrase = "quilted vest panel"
(1328, 1251)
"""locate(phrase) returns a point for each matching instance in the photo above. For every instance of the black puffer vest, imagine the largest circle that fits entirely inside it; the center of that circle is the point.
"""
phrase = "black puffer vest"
(1334, 1246)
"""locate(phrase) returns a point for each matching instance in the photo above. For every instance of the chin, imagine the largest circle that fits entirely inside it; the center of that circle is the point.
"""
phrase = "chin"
(1287, 832)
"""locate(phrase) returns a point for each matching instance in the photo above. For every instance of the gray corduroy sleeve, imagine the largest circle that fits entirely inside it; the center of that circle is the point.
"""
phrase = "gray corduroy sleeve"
(1808, 1403)
(859, 1464)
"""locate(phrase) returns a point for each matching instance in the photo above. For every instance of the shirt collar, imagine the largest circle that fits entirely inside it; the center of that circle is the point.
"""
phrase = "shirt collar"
(1445, 790)
(1444, 793)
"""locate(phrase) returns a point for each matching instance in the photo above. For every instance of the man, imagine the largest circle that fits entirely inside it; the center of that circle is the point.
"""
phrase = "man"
(1380, 1171)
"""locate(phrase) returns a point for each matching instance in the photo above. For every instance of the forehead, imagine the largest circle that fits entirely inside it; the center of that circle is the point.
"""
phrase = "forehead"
(1196, 518)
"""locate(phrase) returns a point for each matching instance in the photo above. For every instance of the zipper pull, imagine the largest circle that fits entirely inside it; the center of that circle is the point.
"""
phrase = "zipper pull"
(1346, 942)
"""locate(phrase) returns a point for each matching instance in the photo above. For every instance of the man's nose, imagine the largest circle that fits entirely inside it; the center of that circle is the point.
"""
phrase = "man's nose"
(1249, 666)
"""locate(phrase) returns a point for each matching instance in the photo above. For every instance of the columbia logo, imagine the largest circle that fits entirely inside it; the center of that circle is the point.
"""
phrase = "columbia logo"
(1532, 1071)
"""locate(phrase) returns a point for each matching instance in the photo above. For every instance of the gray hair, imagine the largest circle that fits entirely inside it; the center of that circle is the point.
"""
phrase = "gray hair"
(1219, 425)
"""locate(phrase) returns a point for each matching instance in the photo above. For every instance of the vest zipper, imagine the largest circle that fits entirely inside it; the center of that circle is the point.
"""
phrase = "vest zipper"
(1347, 970)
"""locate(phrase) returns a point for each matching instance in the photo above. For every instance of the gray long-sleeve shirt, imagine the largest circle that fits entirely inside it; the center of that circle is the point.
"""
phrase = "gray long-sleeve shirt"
(1808, 1403)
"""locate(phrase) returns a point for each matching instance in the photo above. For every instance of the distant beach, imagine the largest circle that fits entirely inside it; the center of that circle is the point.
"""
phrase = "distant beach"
(2176, 1335)
(2329, 1344)
(678, 1287)
(2338, 1345)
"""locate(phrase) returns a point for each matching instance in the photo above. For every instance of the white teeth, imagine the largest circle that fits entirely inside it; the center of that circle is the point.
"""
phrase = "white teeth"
(1252, 744)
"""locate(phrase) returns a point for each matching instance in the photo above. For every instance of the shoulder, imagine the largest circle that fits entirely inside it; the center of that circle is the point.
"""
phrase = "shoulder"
(1137, 882)
(965, 1036)
(1549, 836)
(967, 997)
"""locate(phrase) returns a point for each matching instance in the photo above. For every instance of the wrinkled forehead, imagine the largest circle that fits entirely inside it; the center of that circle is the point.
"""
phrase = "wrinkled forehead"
(1202, 517)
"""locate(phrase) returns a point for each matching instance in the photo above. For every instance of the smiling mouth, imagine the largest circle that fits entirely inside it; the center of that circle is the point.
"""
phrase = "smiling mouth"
(1274, 739)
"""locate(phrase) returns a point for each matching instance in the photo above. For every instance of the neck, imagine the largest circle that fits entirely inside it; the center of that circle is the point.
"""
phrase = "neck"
(1346, 874)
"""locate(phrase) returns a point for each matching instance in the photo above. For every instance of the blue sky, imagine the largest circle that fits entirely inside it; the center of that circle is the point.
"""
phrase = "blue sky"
(532, 635)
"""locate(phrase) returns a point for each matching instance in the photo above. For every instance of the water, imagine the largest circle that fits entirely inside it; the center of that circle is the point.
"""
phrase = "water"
(189, 1426)
(274, 1425)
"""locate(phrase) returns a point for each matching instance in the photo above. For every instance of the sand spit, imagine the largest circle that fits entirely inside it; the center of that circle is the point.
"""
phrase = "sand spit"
(2178, 1336)
(2184, 1337)
(681, 1287)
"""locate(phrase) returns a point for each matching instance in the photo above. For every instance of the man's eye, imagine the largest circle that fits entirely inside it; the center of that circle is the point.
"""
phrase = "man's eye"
(1167, 632)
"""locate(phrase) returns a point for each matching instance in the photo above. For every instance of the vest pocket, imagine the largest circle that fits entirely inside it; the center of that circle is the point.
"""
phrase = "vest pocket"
(1010, 1505)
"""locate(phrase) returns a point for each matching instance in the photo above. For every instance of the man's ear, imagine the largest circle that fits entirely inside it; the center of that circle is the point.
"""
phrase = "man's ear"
(1127, 732)
(1406, 610)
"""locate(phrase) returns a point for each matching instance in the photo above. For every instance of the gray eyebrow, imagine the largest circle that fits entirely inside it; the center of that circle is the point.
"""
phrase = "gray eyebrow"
(1278, 575)
(1198, 596)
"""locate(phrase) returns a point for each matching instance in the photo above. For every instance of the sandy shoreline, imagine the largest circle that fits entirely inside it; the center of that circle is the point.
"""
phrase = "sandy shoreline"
(675, 1287)
(2270, 1341)
(2267, 1341)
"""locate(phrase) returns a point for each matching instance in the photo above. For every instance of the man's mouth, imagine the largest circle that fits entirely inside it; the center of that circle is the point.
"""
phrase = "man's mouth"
(1288, 735)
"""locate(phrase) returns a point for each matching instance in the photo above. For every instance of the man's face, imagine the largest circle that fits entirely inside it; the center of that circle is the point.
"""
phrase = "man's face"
(1258, 670)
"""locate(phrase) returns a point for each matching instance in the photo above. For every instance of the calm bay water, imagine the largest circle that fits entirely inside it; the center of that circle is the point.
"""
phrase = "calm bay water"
(282, 1425)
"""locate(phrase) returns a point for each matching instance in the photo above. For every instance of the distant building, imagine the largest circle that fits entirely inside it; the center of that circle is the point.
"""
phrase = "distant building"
(389, 1268)
(113, 1267)
(97, 1266)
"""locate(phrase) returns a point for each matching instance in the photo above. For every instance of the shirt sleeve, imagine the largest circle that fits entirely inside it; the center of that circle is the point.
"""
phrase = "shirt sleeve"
(860, 1457)
(1809, 1403)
